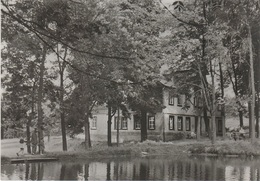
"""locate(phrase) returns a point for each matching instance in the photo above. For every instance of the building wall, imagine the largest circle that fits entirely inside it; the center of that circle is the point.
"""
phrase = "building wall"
(162, 127)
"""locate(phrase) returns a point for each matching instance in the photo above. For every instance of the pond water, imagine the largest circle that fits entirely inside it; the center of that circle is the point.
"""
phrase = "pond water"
(149, 168)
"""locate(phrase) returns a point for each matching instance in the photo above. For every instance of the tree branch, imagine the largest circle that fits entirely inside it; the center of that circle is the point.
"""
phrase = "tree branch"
(190, 23)
(23, 21)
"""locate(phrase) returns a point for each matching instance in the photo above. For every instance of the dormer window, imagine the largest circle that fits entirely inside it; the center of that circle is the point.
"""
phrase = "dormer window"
(200, 103)
(171, 100)
(179, 100)
(187, 101)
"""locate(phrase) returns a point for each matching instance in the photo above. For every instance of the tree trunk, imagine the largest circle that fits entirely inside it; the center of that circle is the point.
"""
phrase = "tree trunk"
(30, 120)
(40, 100)
(223, 116)
(241, 122)
(117, 126)
(62, 113)
(250, 118)
(213, 129)
(28, 135)
(62, 67)
(87, 130)
(199, 118)
(143, 125)
(2, 132)
(109, 122)
(257, 84)
(89, 140)
(252, 82)
(213, 106)
(206, 121)
(257, 116)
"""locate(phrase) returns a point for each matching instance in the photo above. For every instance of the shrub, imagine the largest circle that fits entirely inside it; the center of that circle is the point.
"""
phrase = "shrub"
(179, 135)
(197, 149)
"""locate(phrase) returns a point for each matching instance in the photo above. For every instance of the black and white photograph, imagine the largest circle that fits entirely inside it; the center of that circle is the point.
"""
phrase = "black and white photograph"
(130, 90)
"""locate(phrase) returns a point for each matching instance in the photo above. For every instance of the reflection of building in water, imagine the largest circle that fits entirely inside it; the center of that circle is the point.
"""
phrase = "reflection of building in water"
(239, 173)
(97, 171)
(52, 170)
(192, 168)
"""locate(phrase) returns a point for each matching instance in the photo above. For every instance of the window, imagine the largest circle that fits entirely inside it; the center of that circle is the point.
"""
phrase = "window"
(122, 123)
(137, 122)
(196, 123)
(187, 101)
(188, 124)
(219, 107)
(219, 125)
(171, 99)
(115, 125)
(171, 122)
(94, 122)
(179, 102)
(151, 122)
(200, 103)
(179, 124)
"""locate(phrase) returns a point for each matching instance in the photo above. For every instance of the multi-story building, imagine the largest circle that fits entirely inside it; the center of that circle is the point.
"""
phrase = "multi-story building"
(172, 123)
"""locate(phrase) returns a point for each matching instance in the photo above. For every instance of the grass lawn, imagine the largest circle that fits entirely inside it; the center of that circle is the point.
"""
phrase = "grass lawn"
(186, 147)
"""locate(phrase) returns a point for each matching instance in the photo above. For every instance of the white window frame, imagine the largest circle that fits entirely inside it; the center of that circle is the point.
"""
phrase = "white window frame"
(137, 123)
(171, 100)
(180, 120)
(151, 122)
(124, 124)
(171, 122)
(188, 119)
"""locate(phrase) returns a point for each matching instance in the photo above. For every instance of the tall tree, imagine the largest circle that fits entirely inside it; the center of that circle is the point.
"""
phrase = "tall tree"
(62, 66)
(20, 61)
(241, 25)
(140, 20)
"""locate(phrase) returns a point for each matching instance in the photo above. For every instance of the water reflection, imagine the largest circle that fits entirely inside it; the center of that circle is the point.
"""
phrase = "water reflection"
(193, 168)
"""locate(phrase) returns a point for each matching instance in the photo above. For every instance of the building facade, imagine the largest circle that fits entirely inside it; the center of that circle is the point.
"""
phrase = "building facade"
(177, 120)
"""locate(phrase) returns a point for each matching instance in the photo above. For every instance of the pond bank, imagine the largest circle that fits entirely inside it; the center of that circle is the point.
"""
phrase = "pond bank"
(228, 148)
(149, 148)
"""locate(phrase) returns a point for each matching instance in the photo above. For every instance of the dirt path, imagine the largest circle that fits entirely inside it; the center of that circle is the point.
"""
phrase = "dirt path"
(9, 147)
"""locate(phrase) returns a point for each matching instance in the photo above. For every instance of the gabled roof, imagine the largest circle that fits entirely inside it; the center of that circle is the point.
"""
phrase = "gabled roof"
(166, 83)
